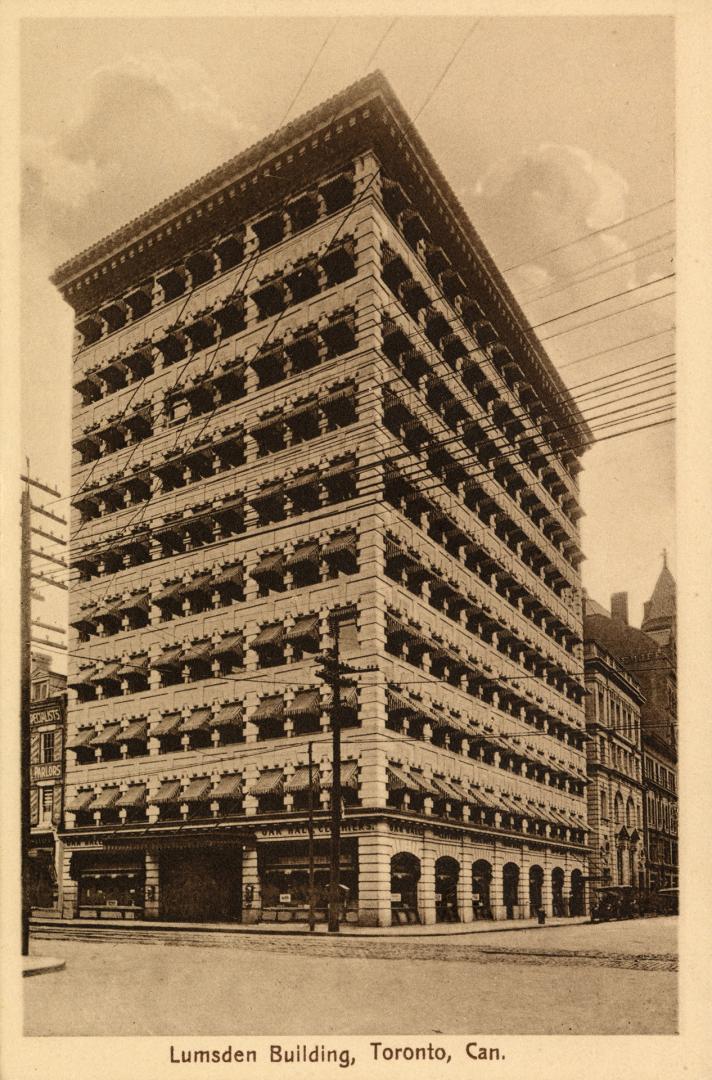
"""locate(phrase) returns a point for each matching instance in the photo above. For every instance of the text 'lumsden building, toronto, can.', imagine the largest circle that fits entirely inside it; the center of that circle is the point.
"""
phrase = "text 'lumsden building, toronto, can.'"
(303, 388)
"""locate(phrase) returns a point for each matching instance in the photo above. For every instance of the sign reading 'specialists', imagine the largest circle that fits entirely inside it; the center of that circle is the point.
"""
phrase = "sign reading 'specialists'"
(46, 716)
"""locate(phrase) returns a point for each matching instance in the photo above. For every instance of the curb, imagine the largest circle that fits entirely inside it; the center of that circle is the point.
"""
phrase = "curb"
(41, 965)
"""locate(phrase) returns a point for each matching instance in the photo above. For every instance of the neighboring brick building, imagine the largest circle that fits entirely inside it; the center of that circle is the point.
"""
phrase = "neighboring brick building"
(48, 703)
(648, 655)
(615, 769)
(302, 386)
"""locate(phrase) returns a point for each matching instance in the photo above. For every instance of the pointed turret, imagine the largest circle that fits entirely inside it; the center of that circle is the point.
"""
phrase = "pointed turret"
(660, 610)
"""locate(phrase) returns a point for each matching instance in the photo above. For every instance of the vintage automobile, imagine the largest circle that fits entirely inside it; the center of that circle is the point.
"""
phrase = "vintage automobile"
(669, 901)
(615, 902)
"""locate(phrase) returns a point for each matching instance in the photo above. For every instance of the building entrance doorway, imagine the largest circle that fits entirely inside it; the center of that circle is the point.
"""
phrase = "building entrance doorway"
(510, 889)
(536, 897)
(405, 875)
(201, 886)
(447, 875)
(577, 893)
(558, 908)
(481, 886)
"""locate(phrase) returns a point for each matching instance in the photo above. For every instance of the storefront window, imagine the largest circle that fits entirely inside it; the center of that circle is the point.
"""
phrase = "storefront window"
(109, 889)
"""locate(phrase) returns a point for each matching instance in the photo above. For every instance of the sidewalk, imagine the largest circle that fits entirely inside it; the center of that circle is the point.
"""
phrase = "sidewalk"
(41, 965)
(437, 930)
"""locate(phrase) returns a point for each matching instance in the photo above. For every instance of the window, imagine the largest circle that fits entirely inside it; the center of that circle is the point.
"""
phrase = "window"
(39, 691)
(46, 746)
(46, 801)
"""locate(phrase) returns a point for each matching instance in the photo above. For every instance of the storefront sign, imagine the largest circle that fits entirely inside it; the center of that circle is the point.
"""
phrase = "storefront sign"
(285, 898)
(52, 770)
(46, 716)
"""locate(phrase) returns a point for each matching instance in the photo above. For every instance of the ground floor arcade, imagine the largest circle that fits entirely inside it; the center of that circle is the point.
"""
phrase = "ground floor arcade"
(391, 872)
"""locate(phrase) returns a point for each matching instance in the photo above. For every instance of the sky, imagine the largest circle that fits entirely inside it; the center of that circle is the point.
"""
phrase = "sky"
(555, 133)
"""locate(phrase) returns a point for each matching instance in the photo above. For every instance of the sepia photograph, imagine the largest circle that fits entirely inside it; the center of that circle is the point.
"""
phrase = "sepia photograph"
(349, 546)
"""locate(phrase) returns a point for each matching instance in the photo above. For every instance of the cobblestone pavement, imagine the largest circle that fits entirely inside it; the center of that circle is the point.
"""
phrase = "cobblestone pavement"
(639, 945)
(260, 986)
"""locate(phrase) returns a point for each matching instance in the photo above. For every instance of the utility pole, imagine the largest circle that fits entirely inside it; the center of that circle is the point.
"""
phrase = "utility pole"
(310, 804)
(27, 594)
(335, 851)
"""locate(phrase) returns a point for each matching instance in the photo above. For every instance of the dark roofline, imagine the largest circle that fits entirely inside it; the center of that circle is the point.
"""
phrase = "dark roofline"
(371, 85)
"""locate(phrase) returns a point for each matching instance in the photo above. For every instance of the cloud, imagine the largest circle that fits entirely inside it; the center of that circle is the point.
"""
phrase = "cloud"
(144, 127)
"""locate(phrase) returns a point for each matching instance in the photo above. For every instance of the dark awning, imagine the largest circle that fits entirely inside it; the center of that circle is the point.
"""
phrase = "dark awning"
(230, 644)
(269, 564)
(303, 479)
(305, 626)
(269, 635)
(108, 673)
(338, 469)
(169, 658)
(308, 552)
(270, 782)
(232, 574)
(171, 592)
(202, 581)
(305, 703)
(201, 650)
(342, 542)
(401, 776)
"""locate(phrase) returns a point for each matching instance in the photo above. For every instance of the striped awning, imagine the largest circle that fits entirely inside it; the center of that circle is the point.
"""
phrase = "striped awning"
(86, 617)
(168, 792)
(270, 782)
(107, 735)
(229, 787)
(338, 469)
(401, 776)
(308, 552)
(230, 644)
(306, 626)
(342, 542)
(269, 635)
(83, 737)
(168, 724)
(483, 798)
(349, 776)
(201, 650)
(78, 802)
(305, 703)
(349, 698)
(108, 673)
(303, 479)
(269, 564)
(231, 575)
(136, 665)
(269, 708)
(133, 796)
(137, 731)
(230, 715)
(169, 658)
(197, 791)
(171, 592)
(202, 581)
(299, 781)
(105, 799)
(448, 789)
(137, 601)
(199, 720)
(558, 817)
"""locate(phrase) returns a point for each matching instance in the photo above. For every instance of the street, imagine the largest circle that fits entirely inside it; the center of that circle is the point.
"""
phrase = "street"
(611, 978)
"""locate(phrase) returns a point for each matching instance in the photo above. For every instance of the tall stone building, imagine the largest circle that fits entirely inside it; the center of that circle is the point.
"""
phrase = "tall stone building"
(303, 388)
(648, 656)
(615, 769)
(48, 703)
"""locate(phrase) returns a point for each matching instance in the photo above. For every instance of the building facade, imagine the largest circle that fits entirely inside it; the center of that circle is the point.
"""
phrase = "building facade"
(615, 770)
(48, 702)
(648, 655)
(303, 388)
